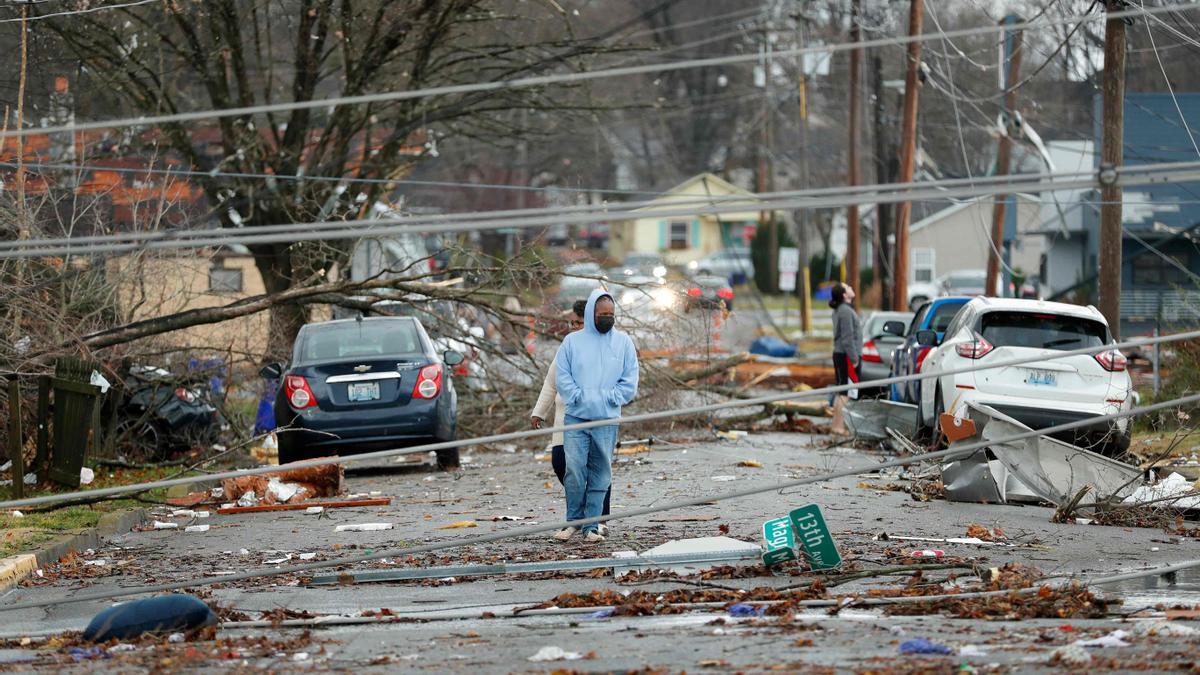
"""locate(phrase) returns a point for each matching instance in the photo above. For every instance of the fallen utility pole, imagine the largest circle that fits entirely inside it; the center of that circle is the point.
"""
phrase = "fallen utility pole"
(852, 227)
(1111, 154)
(1008, 84)
(908, 152)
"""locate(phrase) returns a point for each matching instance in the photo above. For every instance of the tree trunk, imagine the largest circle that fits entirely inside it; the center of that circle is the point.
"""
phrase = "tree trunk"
(274, 262)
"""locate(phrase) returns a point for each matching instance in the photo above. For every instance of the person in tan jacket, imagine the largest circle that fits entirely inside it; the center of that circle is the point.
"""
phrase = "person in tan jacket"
(541, 412)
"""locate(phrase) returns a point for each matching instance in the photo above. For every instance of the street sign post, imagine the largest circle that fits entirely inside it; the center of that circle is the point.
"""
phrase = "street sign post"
(781, 543)
(787, 281)
(789, 259)
(808, 525)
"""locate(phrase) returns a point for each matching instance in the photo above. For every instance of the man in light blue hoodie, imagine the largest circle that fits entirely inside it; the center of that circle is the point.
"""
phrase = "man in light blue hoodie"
(597, 374)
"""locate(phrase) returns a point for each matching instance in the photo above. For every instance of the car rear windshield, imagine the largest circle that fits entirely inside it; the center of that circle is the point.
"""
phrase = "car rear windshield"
(943, 314)
(1042, 331)
(356, 340)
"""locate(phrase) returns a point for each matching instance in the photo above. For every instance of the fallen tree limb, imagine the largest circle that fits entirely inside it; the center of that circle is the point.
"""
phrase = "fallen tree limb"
(712, 368)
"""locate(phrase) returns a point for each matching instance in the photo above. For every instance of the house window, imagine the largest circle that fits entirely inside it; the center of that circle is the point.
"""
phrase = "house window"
(224, 280)
(923, 260)
(681, 234)
(1149, 269)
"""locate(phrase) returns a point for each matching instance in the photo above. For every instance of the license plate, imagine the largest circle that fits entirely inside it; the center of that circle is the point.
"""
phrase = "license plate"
(363, 391)
(1042, 377)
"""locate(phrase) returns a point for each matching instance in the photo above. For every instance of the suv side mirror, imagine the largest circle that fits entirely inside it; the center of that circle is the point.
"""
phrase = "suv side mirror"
(271, 371)
(895, 328)
(452, 358)
(927, 338)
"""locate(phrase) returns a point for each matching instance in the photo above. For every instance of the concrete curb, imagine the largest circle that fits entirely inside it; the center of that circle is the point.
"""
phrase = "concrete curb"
(15, 568)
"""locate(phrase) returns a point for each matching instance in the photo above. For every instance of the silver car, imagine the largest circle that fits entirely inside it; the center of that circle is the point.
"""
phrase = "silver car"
(882, 333)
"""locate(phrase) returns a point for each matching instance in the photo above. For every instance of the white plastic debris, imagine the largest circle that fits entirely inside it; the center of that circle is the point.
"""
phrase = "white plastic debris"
(1167, 493)
(971, 650)
(217, 492)
(312, 510)
(176, 637)
(159, 525)
(555, 654)
(6, 466)
(722, 479)
(363, 527)
(270, 442)
(307, 556)
(278, 561)
(122, 647)
(243, 551)
(300, 656)
(248, 499)
(30, 478)
(183, 513)
(86, 476)
(202, 514)
(1163, 629)
(1071, 655)
(196, 528)
(97, 380)
(1113, 639)
(18, 514)
(282, 491)
(95, 563)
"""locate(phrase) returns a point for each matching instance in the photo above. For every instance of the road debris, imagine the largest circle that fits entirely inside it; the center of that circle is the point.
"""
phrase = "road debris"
(306, 506)
(555, 654)
(284, 486)
(1174, 491)
(363, 527)
(1113, 639)
(196, 528)
(923, 646)
(459, 525)
(162, 614)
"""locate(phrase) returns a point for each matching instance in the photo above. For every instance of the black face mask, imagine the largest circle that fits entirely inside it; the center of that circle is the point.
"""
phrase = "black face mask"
(605, 323)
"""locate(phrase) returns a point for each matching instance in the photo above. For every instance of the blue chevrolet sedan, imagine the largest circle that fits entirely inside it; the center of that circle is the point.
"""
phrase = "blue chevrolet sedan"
(356, 385)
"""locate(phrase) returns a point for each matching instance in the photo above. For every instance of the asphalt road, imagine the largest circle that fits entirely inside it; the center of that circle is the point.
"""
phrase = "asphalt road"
(495, 483)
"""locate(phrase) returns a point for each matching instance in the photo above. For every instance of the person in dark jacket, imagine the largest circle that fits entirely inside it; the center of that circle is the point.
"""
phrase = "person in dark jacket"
(847, 348)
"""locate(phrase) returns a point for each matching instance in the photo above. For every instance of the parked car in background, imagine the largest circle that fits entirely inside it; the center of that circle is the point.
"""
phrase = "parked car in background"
(733, 264)
(907, 359)
(921, 292)
(883, 332)
(708, 292)
(644, 265)
(1039, 394)
(969, 283)
(572, 288)
(362, 384)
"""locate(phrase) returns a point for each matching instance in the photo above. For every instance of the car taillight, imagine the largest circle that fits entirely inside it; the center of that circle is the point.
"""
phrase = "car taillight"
(1113, 361)
(870, 352)
(429, 382)
(184, 395)
(694, 292)
(976, 349)
(725, 294)
(295, 388)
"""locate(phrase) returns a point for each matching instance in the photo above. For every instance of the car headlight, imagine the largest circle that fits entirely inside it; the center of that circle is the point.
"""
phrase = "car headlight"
(660, 271)
(664, 298)
(694, 265)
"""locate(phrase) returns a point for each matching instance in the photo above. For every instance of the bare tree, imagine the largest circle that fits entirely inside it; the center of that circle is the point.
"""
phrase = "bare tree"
(178, 56)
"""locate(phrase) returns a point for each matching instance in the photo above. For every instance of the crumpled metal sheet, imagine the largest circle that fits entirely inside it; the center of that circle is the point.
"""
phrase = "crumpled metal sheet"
(1053, 470)
(1038, 469)
(869, 419)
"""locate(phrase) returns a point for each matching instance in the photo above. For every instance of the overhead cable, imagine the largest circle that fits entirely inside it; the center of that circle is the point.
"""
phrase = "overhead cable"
(542, 80)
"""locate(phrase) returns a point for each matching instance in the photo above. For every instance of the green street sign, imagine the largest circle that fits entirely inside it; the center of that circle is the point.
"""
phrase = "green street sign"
(781, 544)
(808, 525)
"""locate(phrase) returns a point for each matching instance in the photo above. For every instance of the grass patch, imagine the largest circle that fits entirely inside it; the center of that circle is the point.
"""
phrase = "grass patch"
(24, 535)
(1148, 444)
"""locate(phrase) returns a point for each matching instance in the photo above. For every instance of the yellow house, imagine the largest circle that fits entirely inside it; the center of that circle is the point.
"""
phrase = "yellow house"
(681, 237)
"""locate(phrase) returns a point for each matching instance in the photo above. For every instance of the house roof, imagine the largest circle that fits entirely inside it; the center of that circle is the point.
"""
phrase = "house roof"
(716, 185)
(949, 211)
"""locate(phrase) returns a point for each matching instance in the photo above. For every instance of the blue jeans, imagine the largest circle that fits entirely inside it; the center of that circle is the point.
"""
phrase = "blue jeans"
(589, 454)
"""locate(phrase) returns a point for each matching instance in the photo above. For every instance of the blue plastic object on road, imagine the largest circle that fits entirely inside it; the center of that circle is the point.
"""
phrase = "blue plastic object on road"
(769, 345)
(163, 614)
(743, 609)
(923, 646)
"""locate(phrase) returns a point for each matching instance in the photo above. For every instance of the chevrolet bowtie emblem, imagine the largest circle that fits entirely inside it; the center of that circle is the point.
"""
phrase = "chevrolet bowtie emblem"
(361, 369)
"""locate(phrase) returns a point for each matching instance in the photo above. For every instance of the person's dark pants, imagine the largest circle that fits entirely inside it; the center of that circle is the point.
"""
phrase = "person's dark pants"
(845, 371)
(558, 461)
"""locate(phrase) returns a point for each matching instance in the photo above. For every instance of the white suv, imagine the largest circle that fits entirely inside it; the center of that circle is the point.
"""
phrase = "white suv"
(1040, 393)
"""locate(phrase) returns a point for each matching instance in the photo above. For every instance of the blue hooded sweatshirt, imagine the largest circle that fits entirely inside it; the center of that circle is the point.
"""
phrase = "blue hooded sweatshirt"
(597, 372)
